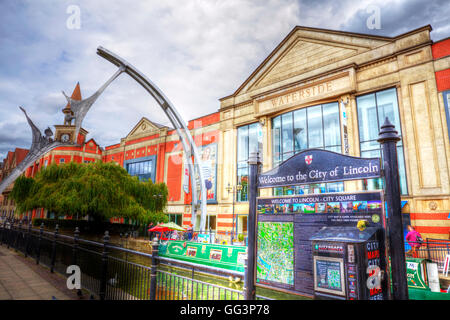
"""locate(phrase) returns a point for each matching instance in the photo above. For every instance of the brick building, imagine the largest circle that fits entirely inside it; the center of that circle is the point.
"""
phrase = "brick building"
(13, 158)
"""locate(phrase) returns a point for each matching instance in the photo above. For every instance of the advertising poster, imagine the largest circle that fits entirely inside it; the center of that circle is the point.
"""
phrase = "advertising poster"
(208, 155)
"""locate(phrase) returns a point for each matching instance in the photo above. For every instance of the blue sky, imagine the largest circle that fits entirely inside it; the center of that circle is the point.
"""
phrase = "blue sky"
(196, 51)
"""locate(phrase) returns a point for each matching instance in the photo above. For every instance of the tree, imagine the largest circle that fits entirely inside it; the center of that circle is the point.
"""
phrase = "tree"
(100, 190)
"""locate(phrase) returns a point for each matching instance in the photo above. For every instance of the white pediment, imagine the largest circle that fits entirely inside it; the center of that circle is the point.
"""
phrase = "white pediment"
(144, 127)
(306, 50)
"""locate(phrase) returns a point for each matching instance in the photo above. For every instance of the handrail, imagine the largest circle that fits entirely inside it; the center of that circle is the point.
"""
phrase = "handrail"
(164, 260)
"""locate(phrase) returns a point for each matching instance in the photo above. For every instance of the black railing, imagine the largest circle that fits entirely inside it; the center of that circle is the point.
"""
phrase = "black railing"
(432, 249)
(110, 272)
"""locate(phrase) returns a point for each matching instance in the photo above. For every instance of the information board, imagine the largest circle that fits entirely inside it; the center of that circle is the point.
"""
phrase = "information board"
(308, 214)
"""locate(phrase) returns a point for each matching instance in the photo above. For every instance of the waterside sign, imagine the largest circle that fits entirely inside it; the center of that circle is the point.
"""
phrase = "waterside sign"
(330, 87)
(319, 166)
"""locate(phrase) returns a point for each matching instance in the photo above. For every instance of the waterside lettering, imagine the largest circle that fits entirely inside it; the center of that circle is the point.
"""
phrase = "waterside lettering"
(304, 93)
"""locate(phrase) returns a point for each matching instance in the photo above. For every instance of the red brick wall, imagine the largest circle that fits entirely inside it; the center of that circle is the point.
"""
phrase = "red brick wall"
(441, 49)
(58, 159)
(140, 152)
(204, 121)
(443, 80)
(431, 225)
(174, 170)
(77, 159)
(141, 139)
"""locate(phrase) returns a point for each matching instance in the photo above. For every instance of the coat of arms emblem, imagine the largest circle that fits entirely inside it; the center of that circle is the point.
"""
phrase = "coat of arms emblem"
(308, 159)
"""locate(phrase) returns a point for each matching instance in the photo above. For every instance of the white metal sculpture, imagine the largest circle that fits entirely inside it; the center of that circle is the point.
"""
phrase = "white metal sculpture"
(42, 145)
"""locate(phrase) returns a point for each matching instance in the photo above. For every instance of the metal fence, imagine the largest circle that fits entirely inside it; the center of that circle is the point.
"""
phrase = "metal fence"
(111, 272)
(432, 249)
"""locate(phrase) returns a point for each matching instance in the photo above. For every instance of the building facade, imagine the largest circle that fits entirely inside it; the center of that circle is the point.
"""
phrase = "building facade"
(13, 158)
(318, 88)
(332, 90)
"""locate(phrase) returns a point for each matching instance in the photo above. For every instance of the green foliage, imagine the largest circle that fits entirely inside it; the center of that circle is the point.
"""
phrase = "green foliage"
(240, 237)
(100, 190)
(22, 188)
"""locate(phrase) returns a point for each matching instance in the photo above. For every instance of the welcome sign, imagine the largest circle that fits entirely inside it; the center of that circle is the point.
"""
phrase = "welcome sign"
(319, 166)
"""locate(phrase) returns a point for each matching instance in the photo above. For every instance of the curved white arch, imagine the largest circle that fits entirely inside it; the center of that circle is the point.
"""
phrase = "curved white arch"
(179, 125)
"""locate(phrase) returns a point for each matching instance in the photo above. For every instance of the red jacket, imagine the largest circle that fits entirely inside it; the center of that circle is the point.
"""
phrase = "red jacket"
(411, 237)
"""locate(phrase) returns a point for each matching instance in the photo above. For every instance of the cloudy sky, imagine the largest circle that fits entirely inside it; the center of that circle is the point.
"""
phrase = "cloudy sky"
(196, 51)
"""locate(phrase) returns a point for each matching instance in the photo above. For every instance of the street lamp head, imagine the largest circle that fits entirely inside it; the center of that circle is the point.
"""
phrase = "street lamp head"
(239, 187)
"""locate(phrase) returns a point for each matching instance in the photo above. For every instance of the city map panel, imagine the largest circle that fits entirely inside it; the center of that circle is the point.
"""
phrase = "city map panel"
(275, 259)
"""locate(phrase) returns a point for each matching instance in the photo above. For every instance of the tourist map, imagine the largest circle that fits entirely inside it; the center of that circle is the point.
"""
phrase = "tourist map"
(275, 259)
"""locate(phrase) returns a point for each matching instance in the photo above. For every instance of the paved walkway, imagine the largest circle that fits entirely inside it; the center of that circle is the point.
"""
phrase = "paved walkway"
(22, 279)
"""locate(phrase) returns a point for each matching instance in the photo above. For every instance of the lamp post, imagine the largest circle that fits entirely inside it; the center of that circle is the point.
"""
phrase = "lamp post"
(234, 190)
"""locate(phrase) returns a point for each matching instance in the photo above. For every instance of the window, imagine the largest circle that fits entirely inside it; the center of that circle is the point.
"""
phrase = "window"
(212, 222)
(372, 111)
(311, 127)
(176, 218)
(446, 96)
(62, 160)
(249, 138)
(142, 169)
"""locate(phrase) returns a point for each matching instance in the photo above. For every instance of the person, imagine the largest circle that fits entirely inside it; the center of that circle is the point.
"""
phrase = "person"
(413, 237)
(189, 233)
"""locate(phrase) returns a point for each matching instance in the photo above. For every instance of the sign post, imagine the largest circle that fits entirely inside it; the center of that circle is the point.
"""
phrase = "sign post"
(388, 139)
(249, 289)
